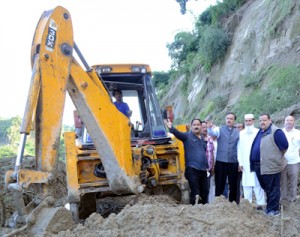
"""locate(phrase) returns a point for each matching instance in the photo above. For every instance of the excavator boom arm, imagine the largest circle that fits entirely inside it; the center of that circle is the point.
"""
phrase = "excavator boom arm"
(60, 72)
(56, 71)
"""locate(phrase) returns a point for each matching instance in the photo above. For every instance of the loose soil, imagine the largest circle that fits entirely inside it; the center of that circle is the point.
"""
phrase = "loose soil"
(160, 215)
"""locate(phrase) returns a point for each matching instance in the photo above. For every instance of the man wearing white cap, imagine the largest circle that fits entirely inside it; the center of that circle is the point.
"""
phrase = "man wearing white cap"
(250, 182)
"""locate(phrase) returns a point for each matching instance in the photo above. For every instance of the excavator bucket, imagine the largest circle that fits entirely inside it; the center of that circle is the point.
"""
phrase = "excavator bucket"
(43, 218)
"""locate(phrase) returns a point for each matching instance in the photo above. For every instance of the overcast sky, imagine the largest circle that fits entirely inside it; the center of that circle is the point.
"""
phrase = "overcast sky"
(106, 31)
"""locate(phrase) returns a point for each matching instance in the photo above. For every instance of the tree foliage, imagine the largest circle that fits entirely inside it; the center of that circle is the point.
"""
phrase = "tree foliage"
(212, 46)
(10, 137)
(208, 42)
(183, 44)
(160, 78)
(9, 130)
(225, 5)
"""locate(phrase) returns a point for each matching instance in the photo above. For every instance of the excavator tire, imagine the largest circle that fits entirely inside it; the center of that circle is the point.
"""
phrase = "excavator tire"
(87, 205)
(108, 205)
(172, 190)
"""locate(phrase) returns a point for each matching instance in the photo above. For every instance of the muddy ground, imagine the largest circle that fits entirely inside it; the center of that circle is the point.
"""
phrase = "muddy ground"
(162, 216)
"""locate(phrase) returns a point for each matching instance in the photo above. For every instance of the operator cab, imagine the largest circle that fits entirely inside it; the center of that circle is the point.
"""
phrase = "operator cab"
(138, 92)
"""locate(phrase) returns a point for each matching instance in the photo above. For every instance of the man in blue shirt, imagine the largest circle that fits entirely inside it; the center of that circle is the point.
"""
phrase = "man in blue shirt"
(267, 160)
(195, 160)
(121, 106)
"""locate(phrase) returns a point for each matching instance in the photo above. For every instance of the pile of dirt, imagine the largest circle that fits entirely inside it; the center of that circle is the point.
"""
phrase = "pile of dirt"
(159, 215)
(162, 216)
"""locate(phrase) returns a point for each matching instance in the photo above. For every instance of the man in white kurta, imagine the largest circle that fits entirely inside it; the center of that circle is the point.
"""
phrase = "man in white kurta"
(250, 182)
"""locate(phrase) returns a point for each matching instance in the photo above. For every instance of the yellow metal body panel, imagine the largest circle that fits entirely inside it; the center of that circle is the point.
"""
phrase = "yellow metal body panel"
(27, 177)
(181, 128)
(80, 167)
(54, 30)
(108, 128)
(71, 166)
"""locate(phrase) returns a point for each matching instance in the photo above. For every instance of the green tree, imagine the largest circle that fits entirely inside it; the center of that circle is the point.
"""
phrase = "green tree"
(10, 130)
(205, 18)
(184, 43)
(160, 78)
(13, 131)
(10, 137)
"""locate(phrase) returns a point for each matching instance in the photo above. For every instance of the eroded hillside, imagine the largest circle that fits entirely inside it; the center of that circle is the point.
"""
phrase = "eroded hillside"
(259, 73)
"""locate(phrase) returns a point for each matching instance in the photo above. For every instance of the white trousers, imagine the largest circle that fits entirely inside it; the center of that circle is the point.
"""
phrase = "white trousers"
(259, 194)
(212, 188)
(289, 182)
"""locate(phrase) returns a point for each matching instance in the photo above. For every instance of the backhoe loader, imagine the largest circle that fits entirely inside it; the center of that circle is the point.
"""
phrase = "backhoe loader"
(108, 154)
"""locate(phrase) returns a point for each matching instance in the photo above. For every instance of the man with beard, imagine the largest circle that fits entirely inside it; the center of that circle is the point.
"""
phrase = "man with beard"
(226, 160)
(250, 182)
(195, 160)
(267, 160)
(289, 176)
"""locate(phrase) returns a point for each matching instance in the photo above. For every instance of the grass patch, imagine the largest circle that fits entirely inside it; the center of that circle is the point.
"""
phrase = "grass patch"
(282, 91)
(207, 110)
(278, 13)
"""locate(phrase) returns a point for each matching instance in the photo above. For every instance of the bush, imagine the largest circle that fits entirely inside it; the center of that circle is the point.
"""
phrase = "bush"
(212, 46)
(223, 10)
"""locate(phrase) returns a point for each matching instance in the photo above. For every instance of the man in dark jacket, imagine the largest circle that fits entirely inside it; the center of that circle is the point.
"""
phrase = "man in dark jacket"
(267, 160)
(195, 160)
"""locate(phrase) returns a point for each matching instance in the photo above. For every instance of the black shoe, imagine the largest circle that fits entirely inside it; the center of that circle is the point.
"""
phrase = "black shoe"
(259, 208)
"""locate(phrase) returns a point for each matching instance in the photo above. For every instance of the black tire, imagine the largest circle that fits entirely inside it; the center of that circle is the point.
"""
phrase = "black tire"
(87, 205)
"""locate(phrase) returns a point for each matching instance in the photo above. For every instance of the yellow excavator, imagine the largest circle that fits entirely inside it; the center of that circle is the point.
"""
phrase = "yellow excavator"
(108, 154)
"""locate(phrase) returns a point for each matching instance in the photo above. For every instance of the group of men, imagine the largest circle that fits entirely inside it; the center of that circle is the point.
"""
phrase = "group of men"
(267, 159)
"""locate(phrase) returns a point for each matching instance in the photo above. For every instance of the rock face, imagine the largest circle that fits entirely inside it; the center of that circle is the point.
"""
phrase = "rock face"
(265, 36)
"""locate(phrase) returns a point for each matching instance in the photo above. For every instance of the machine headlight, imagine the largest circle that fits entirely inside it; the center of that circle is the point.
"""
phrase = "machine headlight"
(150, 150)
(106, 69)
(143, 70)
(135, 69)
